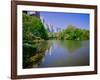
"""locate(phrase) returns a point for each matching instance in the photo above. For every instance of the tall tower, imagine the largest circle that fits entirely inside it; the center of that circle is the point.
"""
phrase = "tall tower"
(25, 12)
(33, 13)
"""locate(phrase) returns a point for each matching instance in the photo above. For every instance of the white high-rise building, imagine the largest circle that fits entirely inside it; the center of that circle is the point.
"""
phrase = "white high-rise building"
(50, 27)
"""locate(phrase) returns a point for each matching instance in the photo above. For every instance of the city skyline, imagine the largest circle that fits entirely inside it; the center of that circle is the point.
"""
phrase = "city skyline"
(62, 20)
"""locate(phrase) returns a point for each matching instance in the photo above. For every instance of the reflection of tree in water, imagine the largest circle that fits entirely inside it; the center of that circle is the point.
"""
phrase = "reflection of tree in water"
(71, 45)
(32, 59)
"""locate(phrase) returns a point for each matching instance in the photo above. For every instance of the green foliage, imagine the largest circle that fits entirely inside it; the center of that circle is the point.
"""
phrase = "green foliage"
(72, 33)
(33, 28)
(33, 31)
(28, 48)
(33, 53)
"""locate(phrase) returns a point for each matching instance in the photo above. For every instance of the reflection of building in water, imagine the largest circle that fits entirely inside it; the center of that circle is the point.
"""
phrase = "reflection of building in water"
(49, 51)
(43, 59)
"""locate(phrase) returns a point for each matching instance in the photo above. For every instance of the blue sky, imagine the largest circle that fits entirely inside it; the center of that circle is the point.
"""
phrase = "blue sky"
(62, 20)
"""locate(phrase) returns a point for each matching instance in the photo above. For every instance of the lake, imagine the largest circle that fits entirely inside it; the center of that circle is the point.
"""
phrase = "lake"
(58, 53)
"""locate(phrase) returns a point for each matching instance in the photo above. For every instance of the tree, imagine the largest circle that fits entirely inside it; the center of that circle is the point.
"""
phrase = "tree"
(73, 33)
(33, 27)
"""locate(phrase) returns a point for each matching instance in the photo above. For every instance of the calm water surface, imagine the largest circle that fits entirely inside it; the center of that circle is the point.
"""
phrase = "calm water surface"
(60, 53)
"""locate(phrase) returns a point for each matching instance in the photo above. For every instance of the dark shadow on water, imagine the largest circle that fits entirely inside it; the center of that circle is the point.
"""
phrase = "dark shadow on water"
(30, 59)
